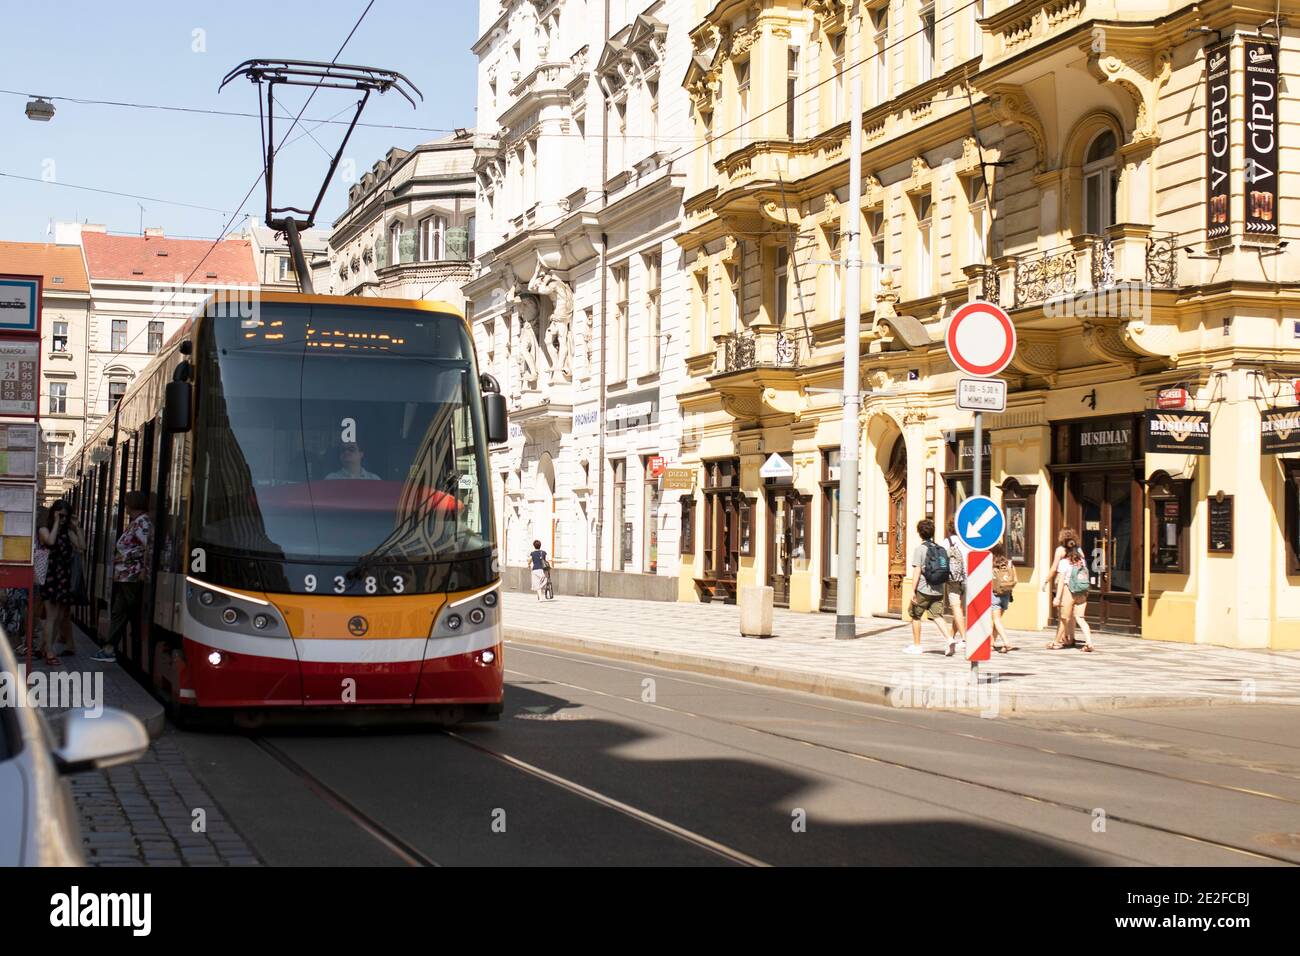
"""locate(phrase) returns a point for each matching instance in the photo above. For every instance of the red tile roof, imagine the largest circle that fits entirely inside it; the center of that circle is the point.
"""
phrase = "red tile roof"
(46, 259)
(137, 258)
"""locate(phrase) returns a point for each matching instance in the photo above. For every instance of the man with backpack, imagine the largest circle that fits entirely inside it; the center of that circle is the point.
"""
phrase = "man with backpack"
(956, 587)
(930, 568)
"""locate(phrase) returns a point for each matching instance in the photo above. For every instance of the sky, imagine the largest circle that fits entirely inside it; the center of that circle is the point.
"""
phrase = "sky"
(176, 54)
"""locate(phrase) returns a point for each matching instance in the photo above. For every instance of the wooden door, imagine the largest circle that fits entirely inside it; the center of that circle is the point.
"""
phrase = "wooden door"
(896, 480)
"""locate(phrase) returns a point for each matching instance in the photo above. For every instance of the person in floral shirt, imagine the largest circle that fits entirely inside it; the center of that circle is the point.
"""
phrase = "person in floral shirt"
(130, 569)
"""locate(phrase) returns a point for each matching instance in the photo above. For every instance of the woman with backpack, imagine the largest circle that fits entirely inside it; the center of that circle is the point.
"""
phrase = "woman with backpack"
(1072, 572)
(1004, 582)
(1052, 585)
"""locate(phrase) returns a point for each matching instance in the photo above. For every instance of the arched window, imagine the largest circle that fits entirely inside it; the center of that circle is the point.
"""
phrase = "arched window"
(1100, 184)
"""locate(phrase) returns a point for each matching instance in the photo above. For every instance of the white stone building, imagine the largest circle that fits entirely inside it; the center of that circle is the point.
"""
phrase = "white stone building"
(578, 304)
(408, 231)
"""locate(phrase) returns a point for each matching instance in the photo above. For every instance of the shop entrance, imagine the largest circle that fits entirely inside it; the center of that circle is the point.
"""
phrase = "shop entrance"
(1098, 494)
(896, 481)
(786, 539)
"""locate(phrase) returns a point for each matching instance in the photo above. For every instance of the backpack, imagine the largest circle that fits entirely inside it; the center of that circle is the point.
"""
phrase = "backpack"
(935, 569)
(956, 563)
(1004, 578)
(1078, 581)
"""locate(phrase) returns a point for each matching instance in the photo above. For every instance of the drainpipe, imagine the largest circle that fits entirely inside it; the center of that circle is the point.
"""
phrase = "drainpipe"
(604, 273)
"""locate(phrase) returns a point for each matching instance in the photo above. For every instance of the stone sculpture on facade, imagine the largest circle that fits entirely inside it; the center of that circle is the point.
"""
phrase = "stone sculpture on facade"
(557, 341)
(525, 310)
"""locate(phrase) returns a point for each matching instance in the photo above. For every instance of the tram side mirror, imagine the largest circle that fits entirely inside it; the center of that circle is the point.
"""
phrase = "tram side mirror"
(178, 411)
(498, 421)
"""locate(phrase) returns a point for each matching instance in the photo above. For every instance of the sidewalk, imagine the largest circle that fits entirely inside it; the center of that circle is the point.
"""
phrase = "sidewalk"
(804, 655)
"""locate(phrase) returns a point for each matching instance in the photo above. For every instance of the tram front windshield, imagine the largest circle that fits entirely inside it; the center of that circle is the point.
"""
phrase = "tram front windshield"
(338, 434)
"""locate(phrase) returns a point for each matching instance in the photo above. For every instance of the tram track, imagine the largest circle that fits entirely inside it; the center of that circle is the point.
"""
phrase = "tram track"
(926, 771)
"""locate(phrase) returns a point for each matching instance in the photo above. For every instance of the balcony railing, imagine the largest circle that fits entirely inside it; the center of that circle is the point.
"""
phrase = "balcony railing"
(1128, 255)
(747, 350)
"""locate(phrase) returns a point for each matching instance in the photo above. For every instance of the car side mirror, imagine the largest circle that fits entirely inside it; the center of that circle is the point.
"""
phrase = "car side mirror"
(97, 742)
(497, 418)
(178, 407)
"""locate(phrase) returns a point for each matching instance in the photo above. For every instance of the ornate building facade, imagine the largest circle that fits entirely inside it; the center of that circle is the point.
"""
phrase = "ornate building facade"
(1111, 173)
(577, 305)
(408, 230)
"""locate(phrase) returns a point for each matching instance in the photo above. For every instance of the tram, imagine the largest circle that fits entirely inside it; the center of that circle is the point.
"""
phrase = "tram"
(321, 507)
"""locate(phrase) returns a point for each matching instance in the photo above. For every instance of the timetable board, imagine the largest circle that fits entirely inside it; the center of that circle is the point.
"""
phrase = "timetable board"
(17, 523)
(18, 447)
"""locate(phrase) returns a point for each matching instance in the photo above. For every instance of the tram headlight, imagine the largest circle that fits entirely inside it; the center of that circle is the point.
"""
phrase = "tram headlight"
(476, 615)
(490, 599)
(215, 658)
(230, 615)
(261, 622)
(206, 598)
(454, 622)
(487, 657)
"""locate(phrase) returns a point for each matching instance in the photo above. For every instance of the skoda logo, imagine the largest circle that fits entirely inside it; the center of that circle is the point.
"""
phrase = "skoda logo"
(358, 626)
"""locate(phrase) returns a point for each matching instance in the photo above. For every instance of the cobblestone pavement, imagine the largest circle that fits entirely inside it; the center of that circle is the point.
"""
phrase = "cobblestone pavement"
(154, 813)
(1125, 671)
(144, 813)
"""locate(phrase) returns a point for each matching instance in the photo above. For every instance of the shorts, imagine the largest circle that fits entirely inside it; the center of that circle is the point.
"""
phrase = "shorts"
(922, 602)
(539, 579)
(1002, 601)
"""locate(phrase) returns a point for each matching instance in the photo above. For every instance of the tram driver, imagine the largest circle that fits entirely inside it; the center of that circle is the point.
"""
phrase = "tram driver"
(350, 456)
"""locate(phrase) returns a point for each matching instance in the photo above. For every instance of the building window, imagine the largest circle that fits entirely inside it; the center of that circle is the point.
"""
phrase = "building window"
(58, 398)
(830, 484)
(687, 543)
(782, 283)
(652, 104)
(653, 270)
(837, 273)
(880, 21)
(115, 392)
(976, 206)
(976, 34)
(433, 238)
(959, 473)
(286, 268)
(155, 336)
(118, 341)
(60, 336)
(650, 532)
(1291, 507)
(705, 327)
(924, 208)
(469, 229)
(54, 459)
(876, 228)
(792, 93)
(1100, 184)
(622, 527)
(738, 289)
(929, 51)
(619, 358)
(1170, 503)
(742, 97)
(837, 82)
(395, 243)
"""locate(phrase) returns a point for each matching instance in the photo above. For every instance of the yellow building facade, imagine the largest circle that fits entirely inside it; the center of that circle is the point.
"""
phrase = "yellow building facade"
(1119, 177)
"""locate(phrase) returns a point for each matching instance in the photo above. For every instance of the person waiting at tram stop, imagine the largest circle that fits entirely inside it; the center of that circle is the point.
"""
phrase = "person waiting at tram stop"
(130, 570)
(64, 575)
(350, 456)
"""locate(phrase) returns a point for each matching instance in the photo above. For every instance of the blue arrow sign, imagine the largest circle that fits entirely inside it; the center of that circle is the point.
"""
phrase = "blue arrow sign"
(980, 523)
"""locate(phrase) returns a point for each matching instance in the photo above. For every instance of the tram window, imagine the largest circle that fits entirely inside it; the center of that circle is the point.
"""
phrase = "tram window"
(275, 474)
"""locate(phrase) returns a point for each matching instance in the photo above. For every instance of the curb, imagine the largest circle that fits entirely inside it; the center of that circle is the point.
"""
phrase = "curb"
(861, 691)
(121, 689)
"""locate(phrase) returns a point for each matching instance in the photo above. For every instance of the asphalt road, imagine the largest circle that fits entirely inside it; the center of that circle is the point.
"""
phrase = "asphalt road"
(599, 762)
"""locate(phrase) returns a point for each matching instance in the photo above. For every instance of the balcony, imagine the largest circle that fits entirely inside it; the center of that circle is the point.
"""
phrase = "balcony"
(741, 351)
(1126, 255)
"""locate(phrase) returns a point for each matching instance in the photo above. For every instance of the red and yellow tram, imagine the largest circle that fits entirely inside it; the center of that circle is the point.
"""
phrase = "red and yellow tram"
(321, 508)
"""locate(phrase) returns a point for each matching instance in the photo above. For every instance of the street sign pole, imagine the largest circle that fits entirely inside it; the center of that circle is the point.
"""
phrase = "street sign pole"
(979, 490)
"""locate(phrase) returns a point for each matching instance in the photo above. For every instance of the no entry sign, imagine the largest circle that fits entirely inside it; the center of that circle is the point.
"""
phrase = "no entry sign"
(981, 339)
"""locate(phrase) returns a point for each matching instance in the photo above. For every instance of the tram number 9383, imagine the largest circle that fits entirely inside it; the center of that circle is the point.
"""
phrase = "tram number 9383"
(339, 585)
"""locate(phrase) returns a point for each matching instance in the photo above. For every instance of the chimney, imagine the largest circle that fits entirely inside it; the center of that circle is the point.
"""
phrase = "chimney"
(153, 232)
(93, 227)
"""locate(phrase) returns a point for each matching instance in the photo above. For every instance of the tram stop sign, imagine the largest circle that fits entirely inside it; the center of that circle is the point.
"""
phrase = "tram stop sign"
(980, 522)
(981, 339)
